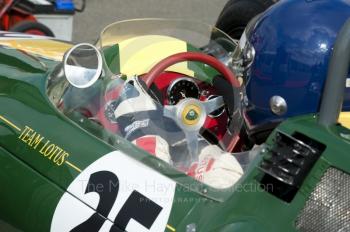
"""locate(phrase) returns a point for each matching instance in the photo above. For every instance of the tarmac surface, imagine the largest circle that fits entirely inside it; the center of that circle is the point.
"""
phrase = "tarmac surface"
(100, 13)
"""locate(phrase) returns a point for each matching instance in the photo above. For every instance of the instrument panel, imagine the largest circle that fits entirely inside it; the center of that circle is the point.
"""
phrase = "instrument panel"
(182, 88)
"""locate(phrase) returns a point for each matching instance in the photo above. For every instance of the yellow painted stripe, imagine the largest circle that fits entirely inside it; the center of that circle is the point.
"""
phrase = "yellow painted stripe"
(170, 228)
(344, 119)
(8, 122)
(47, 48)
(73, 166)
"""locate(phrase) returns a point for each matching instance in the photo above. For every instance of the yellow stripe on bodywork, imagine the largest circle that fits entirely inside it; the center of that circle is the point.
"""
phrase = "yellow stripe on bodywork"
(50, 49)
(8, 122)
(138, 55)
(344, 119)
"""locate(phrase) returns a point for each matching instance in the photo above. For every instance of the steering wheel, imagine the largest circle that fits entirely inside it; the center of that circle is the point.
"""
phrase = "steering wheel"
(190, 113)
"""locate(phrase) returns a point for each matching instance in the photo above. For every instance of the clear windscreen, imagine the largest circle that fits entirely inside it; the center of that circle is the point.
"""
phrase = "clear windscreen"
(190, 117)
(199, 35)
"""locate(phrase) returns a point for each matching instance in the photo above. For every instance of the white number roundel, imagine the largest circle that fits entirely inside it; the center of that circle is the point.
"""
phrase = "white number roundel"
(126, 194)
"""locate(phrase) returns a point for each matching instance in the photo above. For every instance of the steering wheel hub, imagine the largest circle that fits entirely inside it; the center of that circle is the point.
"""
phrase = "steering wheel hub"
(191, 114)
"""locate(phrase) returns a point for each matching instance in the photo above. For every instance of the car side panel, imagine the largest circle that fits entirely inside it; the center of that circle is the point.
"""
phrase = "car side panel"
(27, 199)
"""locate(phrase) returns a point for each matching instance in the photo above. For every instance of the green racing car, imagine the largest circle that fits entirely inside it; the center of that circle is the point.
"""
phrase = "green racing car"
(138, 133)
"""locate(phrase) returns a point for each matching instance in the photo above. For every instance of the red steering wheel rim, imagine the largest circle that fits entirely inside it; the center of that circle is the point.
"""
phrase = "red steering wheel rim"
(162, 65)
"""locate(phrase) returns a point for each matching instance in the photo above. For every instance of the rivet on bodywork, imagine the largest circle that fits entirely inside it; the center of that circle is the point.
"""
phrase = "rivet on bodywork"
(191, 228)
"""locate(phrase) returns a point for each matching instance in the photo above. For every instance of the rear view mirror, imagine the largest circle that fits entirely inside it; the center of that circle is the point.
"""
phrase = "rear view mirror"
(82, 65)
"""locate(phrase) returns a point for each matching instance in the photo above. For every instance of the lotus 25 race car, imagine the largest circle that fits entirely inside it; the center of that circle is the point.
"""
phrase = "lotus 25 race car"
(142, 132)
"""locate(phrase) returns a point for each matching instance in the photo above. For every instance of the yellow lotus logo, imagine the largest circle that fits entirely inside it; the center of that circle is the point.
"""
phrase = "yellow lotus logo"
(191, 115)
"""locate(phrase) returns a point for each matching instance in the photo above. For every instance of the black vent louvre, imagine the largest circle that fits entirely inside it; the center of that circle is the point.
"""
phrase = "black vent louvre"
(288, 162)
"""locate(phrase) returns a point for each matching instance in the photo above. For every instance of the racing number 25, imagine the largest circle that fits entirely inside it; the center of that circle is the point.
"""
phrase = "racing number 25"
(137, 206)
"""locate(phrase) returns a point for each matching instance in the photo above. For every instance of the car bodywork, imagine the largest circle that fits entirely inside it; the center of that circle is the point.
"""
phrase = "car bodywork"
(46, 157)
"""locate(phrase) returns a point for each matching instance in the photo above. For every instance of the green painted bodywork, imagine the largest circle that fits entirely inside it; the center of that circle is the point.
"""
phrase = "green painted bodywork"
(32, 185)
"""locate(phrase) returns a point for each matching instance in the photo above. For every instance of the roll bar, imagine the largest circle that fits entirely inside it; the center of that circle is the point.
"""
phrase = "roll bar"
(334, 90)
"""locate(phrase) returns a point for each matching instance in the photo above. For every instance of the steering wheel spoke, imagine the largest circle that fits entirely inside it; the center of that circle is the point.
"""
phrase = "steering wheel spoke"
(213, 104)
(192, 144)
(169, 111)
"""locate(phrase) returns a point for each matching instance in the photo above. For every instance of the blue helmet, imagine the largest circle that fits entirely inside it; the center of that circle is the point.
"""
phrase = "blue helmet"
(283, 57)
